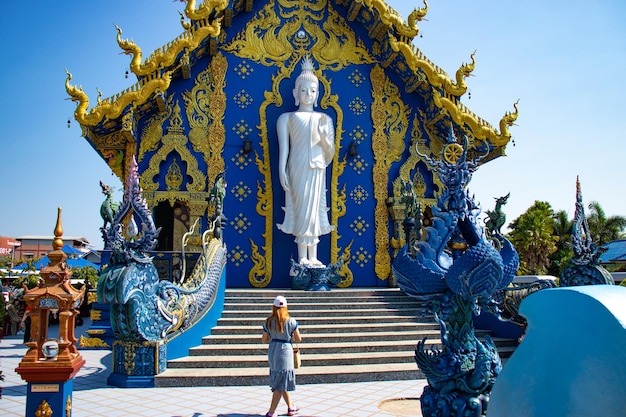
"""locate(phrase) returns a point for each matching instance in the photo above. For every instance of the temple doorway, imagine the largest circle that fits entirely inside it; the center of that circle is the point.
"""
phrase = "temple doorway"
(174, 223)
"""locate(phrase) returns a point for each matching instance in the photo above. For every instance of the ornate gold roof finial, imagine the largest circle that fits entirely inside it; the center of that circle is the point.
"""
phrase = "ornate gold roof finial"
(186, 25)
(465, 70)
(507, 120)
(57, 255)
(57, 243)
(417, 15)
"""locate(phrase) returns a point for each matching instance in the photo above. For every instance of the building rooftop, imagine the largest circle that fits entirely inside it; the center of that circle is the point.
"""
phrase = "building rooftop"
(615, 252)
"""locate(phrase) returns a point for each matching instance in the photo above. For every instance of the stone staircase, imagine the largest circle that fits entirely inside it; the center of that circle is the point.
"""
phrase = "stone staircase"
(349, 335)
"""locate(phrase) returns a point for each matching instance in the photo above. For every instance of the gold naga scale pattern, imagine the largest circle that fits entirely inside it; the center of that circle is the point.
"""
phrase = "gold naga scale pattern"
(386, 98)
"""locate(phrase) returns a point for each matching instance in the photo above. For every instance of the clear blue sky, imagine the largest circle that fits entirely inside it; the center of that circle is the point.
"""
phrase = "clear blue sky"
(564, 61)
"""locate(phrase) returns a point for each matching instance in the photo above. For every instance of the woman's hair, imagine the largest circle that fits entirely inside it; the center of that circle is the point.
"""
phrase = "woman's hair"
(277, 320)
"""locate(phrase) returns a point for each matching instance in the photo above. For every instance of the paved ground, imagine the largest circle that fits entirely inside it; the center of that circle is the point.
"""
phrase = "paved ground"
(93, 397)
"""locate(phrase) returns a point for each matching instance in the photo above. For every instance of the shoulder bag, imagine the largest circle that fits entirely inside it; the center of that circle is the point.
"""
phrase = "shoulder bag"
(297, 359)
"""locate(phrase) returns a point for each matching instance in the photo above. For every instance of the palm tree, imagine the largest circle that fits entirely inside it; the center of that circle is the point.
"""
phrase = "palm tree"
(562, 229)
(533, 235)
(604, 230)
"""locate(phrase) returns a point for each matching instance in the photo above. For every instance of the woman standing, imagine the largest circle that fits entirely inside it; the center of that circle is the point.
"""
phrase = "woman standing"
(280, 330)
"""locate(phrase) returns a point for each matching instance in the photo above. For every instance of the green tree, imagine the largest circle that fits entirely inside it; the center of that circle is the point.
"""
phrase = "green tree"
(562, 229)
(5, 264)
(86, 273)
(604, 230)
(533, 235)
(30, 276)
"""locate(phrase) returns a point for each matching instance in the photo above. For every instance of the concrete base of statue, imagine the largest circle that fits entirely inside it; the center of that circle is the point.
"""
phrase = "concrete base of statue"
(136, 363)
(314, 278)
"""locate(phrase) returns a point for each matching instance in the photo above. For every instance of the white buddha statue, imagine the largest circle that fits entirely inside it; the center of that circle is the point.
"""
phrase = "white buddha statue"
(306, 140)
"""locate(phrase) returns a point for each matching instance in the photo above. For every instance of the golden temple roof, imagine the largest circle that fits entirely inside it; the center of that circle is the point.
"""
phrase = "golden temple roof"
(202, 33)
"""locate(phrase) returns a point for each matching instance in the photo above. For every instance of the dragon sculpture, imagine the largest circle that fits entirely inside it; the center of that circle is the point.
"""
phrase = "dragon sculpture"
(207, 22)
(112, 108)
(458, 271)
(143, 307)
(584, 267)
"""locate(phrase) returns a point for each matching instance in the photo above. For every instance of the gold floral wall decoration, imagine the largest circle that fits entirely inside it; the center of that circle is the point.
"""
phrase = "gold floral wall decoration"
(152, 131)
(205, 107)
(270, 36)
(240, 223)
(241, 159)
(359, 194)
(237, 256)
(390, 119)
(361, 257)
(174, 142)
(241, 191)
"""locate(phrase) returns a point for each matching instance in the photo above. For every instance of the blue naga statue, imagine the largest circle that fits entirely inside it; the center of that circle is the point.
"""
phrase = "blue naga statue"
(455, 267)
(143, 307)
(584, 267)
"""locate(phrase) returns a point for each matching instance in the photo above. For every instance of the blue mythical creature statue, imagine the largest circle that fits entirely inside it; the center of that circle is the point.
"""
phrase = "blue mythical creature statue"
(216, 199)
(584, 268)
(143, 307)
(108, 208)
(315, 278)
(455, 267)
(496, 218)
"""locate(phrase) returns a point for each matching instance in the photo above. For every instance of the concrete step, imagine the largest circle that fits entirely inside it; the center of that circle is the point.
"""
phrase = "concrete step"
(232, 376)
(302, 313)
(308, 321)
(309, 359)
(312, 329)
(328, 348)
(298, 306)
(354, 336)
